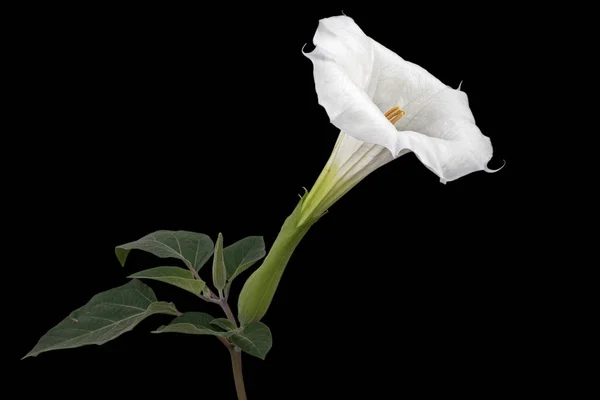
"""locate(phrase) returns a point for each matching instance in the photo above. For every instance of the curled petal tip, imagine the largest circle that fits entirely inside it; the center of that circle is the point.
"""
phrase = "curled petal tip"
(307, 54)
(305, 193)
(491, 171)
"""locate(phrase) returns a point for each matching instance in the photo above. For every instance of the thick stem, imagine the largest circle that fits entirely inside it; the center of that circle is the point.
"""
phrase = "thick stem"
(236, 364)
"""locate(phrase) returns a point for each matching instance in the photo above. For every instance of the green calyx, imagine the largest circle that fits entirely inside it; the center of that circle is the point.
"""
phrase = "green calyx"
(258, 291)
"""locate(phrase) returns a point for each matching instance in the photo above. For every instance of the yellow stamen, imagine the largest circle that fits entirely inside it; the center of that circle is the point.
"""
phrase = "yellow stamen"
(397, 117)
(394, 114)
(391, 110)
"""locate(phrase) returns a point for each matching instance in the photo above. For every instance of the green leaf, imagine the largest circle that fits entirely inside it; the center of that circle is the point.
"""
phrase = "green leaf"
(243, 254)
(194, 323)
(254, 338)
(219, 271)
(193, 248)
(162, 307)
(206, 291)
(106, 316)
(173, 275)
(224, 324)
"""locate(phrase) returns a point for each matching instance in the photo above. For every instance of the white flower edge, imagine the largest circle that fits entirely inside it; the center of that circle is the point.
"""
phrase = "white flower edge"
(358, 79)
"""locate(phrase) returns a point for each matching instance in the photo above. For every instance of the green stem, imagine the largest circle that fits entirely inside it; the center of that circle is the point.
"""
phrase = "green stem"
(236, 354)
(227, 309)
(238, 376)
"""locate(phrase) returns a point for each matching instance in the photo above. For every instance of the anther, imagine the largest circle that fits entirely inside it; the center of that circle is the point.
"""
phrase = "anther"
(391, 110)
(394, 114)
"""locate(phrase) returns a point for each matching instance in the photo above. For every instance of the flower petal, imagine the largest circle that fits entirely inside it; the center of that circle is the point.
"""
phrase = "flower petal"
(350, 162)
(357, 79)
(342, 63)
(444, 136)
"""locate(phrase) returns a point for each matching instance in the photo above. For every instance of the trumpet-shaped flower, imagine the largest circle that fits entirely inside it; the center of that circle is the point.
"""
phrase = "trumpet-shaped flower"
(385, 107)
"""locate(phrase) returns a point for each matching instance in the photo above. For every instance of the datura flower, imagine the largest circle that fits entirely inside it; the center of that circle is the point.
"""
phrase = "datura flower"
(385, 107)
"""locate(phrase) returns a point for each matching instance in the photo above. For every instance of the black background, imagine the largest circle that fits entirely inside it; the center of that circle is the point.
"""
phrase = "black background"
(154, 117)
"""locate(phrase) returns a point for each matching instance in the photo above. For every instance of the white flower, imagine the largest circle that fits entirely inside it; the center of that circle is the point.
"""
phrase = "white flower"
(385, 107)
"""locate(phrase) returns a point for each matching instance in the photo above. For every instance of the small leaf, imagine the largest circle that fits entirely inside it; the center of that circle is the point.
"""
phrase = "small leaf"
(224, 324)
(219, 272)
(193, 248)
(162, 307)
(243, 254)
(173, 275)
(255, 339)
(194, 323)
(106, 316)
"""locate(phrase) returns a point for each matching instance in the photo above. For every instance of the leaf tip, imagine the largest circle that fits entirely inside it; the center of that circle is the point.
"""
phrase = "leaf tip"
(121, 254)
(30, 354)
